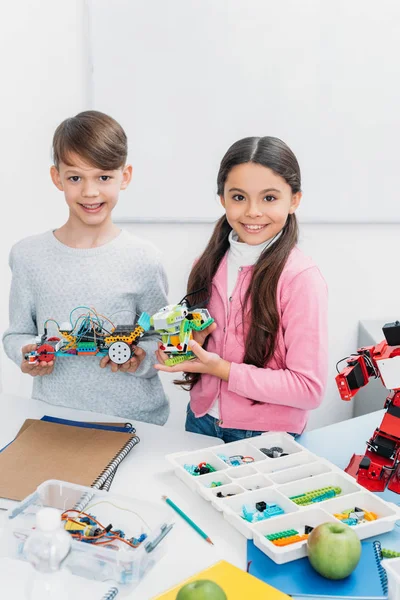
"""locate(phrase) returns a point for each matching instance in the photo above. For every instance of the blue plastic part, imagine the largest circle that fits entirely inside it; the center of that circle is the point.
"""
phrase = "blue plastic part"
(330, 494)
(252, 515)
(191, 469)
(350, 522)
(144, 321)
(223, 457)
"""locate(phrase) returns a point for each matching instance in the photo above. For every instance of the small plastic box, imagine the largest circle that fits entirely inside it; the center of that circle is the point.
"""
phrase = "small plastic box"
(392, 568)
(120, 563)
(277, 481)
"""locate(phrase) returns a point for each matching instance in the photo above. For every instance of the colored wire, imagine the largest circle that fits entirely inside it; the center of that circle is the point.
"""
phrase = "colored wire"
(103, 317)
(51, 321)
(63, 518)
(126, 310)
(119, 508)
(339, 361)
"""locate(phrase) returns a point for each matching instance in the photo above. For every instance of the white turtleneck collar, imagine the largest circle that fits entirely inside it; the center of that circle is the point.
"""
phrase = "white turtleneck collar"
(243, 255)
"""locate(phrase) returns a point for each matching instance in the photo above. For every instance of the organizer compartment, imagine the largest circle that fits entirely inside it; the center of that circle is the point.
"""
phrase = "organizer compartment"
(241, 448)
(300, 472)
(254, 482)
(387, 512)
(206, 480)
(274, 465)
(278, 439)
(242, 471)
(296, 521)
(195, 458)
(232, 507)
(232, 488)
(334, 479)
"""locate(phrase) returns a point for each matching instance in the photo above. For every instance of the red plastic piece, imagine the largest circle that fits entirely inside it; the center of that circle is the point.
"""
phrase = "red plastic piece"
(46, 353)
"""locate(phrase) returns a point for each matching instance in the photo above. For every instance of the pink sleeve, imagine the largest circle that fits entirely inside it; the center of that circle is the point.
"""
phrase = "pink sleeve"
(304, 322)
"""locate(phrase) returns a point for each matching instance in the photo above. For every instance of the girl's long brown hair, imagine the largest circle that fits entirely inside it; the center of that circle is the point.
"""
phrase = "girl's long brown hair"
(259, 307)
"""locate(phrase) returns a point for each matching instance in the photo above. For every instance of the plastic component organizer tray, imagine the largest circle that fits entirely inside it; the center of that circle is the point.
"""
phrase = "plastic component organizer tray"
(277, 480)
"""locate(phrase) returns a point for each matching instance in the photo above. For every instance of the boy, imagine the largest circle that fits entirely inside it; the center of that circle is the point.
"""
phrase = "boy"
(88, 262)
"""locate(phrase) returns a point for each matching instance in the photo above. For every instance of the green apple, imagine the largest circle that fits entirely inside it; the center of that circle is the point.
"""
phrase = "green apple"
(334, 550)
(202, 589)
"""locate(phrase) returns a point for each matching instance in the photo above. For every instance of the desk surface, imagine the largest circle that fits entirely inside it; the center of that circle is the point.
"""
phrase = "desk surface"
(146, 474)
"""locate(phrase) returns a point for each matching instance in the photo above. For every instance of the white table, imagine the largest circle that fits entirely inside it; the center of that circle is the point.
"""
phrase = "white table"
(146, 474)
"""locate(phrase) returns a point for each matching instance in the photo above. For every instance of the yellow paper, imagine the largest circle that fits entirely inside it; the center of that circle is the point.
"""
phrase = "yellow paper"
(237, 584)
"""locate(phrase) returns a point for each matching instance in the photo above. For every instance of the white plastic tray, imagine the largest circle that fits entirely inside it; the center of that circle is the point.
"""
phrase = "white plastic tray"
(276, 480)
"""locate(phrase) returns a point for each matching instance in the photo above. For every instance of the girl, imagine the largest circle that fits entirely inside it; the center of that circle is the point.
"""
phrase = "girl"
(263, 364)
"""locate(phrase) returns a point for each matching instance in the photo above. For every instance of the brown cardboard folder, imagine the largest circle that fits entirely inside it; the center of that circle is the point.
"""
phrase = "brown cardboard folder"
(46, 450)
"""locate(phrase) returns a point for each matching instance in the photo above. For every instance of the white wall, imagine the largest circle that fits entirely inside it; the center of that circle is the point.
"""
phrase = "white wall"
(44, 75)
(44, 80)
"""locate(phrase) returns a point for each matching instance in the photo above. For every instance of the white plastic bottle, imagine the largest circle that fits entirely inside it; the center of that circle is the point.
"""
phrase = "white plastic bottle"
(46, 549)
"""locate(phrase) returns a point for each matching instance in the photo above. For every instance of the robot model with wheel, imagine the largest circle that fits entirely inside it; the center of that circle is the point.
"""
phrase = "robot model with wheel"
(176, 323)
(379, 467)
(90, 334)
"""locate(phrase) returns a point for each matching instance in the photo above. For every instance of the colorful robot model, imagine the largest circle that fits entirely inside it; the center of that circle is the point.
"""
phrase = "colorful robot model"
(176, 323)
(91, 334)
(380, 465)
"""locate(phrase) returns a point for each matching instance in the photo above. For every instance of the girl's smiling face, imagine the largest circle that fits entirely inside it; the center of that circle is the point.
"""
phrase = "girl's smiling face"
(257, 202)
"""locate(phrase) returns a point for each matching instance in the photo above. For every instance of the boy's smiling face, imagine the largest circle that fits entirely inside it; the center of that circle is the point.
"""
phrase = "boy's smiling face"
(90, 193)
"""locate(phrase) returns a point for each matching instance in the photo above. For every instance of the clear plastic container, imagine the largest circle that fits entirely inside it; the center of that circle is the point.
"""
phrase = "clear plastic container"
(117, 562)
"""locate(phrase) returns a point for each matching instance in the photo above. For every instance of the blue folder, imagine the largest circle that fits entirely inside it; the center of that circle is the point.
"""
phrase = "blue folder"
(124, 427)
(297, 578)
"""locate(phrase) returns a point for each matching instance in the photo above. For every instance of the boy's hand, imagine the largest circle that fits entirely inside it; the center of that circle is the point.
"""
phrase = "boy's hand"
(130, 366)
(200, 336)
(205, 362)
(40, 368)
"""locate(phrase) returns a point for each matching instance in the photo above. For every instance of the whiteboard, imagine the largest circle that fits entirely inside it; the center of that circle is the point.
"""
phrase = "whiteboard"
(187, 78)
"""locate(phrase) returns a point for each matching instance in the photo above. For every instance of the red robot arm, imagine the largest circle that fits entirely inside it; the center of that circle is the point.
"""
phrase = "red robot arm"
(380, 465)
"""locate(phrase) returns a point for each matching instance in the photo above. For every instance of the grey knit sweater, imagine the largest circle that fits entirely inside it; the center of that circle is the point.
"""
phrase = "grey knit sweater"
(49, 279)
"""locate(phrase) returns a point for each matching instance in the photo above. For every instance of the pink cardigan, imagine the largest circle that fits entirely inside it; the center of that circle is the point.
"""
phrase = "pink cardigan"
(294, 381)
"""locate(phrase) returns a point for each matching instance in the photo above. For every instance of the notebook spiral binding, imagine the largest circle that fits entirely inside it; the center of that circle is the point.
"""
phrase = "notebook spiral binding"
(381, 571)
(102, 478)
(111, 594)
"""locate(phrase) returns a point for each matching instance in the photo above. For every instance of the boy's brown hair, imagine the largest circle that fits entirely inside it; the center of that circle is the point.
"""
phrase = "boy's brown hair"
(95, 137)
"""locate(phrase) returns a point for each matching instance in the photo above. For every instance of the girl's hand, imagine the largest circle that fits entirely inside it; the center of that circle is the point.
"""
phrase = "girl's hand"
(40, 368)
(200, 336)
(130, 366)
(205, 362)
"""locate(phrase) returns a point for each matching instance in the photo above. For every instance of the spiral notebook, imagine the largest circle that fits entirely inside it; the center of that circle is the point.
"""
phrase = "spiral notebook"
(50, 450)
(297, 578)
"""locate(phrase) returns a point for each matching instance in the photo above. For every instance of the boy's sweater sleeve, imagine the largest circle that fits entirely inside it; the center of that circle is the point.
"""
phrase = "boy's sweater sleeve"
(22, 319)
(151, 302)
(304, 320)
